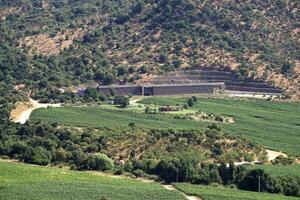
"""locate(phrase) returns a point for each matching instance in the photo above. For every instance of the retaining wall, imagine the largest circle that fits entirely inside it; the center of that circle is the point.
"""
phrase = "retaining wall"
(167, 89)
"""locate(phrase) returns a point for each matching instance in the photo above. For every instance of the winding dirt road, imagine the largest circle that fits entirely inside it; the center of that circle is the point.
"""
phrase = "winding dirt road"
(23, 111)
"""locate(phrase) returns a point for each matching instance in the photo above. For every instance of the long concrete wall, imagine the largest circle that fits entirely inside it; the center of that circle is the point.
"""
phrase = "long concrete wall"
(121, 90)
(167, 89)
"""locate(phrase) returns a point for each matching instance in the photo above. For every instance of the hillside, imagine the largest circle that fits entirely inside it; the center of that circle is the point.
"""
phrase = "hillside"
(19, 181)
(261, 121)
(216, 193)
(71, 42)
(55, 53)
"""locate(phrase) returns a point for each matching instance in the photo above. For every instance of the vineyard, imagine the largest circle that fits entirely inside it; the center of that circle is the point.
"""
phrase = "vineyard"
(217, 193)
(274, 125)
(279, 170)
(100, 117)
(19, 181)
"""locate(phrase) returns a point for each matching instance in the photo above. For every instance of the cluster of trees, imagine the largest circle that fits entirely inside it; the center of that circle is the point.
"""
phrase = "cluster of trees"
(89, 95)
(46, 144)
(187, 169)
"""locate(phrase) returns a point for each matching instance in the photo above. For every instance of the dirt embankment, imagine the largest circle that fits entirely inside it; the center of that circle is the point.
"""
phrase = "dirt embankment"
(23, 110)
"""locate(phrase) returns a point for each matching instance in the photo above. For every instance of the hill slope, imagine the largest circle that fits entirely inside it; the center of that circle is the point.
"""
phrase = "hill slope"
(19, 181)
(67, 42)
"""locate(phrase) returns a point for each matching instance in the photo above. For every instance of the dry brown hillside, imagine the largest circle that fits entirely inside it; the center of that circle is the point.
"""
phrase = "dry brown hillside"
(92, 40)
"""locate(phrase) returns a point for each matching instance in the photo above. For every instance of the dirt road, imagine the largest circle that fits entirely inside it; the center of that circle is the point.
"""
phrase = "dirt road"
(23, 111)
(274, 154)
(171, 187)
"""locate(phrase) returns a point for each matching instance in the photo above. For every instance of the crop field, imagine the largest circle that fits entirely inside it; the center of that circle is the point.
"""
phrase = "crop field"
(275, 125)
(218, 193)
(279, 170)
(19, 181)
(103, 116)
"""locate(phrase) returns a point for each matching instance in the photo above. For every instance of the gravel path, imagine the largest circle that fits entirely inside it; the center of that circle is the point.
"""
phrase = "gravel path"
(33, 105)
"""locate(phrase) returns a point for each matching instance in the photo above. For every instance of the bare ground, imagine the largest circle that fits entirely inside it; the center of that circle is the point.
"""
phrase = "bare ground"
(272, 155)
(171, 187)
(23, 110)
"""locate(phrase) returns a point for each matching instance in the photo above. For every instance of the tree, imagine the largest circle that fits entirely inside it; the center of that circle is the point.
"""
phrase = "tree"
(40, 156)
(122, 19)
(60, 155)
(163, 58)
(286, 67)
(43, 84)
(137, 8)
(190, 102)
(226, 173)
(91, 93)
(217, 149)
(280, 160)
(121, 70)
(144, 69)
(97, 162)
(195, 99)
(258, 180)
(177, 63)
(122, 100)
(131, 69)
(131, 124)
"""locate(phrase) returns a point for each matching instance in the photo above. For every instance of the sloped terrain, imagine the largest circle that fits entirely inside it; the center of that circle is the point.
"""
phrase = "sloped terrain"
(68, 42)
(232, 81)
(20, 181)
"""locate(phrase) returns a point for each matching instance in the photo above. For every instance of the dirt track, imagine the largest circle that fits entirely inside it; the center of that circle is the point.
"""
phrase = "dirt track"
(171, 187)
(274, 154)
(23, 111)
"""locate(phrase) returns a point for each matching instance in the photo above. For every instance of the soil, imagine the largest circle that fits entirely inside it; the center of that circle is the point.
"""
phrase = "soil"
(23, 110)
(171, 187)
(272, 155)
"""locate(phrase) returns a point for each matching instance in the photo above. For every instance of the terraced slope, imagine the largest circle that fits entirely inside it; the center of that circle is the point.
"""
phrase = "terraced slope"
(232, 81)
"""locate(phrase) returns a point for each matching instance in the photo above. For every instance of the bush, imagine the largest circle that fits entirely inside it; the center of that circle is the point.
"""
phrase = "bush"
(190, 102)
(123, 101)
(40, 156)
(97, 162)
(280, 160)
(131, 124)
(138, 173)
